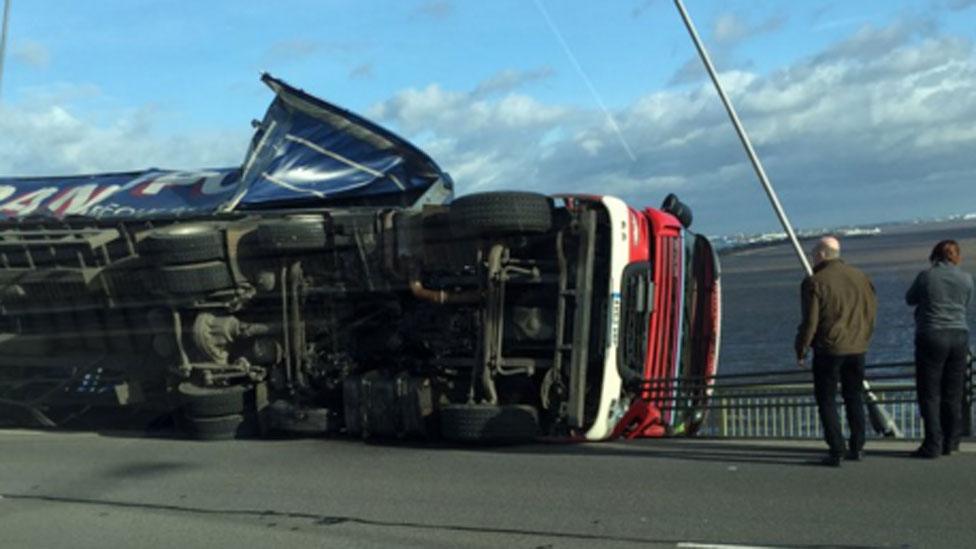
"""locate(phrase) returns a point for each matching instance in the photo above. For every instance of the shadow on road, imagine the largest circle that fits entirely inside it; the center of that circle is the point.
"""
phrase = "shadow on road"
(775, 452)
(687, 450)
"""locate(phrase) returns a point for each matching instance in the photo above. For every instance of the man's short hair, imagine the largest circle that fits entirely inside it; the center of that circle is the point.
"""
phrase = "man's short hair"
(828, 247)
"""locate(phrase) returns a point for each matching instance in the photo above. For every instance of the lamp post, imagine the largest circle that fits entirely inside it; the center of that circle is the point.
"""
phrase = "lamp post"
(880, 419)
(3, 38)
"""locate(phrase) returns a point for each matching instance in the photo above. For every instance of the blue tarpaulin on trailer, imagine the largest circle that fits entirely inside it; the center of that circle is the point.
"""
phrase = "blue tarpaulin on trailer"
(305, 153)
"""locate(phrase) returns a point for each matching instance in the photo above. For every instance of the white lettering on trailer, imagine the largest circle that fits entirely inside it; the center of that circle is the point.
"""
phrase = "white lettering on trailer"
(113, 209)
(141, 180)
(27, 203)
(211, 182)
(178, 179)
(77, 200)
(86, 199)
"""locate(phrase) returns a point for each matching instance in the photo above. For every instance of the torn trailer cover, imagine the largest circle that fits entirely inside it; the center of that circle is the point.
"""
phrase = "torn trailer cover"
(331, 285)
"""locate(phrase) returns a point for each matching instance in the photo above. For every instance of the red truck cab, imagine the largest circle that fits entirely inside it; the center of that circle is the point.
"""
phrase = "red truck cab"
(664, 323)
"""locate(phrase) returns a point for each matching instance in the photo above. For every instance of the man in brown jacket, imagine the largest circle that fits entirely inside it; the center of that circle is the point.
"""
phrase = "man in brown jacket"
(839, 308)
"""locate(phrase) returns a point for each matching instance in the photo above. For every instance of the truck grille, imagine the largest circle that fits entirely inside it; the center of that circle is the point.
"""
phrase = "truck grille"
(636, 306)
(665, 326)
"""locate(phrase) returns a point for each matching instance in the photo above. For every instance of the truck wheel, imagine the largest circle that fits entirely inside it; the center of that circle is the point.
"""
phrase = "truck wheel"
(501, 213)
(196, 278)
(215, 401)
(227, 427)
(296, 233)
(489, 423)
(184, 243)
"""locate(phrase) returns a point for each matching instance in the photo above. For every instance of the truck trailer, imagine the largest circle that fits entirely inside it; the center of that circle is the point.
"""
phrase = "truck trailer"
(332, 284)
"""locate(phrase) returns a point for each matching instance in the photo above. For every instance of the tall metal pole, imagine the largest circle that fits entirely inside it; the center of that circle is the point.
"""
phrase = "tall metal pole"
(756, 164)
(3, 38)
(880, 419)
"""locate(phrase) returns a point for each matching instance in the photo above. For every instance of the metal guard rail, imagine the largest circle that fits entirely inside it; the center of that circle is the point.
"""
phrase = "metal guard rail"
(780, 403)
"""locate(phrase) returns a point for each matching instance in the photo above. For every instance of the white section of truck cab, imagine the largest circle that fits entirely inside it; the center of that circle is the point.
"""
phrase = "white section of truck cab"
(610, 389)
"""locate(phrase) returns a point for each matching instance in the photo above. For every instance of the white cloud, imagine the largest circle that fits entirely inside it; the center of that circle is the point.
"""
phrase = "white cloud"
(887, 121)
(31, 53)
(854, 133)
(730, 29)
(640, 8)
(435, 9)
(958, 5)
(693, 71)
(301, 49)
(293, 49)
(460, 114)
(870, 42)
(517, 111)
(510, 80)
(53, 139)
(362, 71)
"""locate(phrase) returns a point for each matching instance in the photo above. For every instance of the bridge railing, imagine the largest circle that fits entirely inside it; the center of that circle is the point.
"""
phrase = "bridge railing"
(781, 404)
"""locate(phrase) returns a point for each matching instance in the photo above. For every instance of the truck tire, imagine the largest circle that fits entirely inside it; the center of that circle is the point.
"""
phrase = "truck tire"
(293, 234)
(195, 278)
(489, 423)
(502, 213)
(227, 427)
(184, 243)
(202, 402)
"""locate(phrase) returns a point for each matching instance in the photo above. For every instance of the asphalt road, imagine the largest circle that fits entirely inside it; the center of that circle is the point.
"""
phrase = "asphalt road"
(80, 490)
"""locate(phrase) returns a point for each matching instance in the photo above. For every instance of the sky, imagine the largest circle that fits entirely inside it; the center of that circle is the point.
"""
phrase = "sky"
(862, 112)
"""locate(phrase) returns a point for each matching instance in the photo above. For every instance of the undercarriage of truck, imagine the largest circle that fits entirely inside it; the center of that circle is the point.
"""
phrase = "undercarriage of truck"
(482, 320)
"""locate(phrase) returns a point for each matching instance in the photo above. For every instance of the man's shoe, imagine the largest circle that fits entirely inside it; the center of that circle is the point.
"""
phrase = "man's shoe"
(854, 455)
(924, 454)
(947, 451)
(831, 461)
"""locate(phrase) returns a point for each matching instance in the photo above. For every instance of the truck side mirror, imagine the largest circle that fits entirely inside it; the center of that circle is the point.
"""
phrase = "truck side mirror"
(678, 209)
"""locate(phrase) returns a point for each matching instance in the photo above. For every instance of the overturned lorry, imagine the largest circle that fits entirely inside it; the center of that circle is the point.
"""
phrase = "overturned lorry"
(331, 284)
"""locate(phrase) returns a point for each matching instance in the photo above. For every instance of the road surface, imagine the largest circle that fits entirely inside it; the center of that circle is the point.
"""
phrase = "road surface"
(80, 490)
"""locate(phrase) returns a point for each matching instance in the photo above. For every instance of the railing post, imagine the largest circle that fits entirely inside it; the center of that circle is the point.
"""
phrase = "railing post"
(725, 417)
(967, 402)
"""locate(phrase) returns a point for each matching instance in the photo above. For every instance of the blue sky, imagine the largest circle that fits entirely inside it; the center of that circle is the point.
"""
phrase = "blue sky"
(863, 111)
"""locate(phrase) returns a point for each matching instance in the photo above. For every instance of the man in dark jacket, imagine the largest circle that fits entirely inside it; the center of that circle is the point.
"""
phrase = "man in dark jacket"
(941, 296)
(838, 308)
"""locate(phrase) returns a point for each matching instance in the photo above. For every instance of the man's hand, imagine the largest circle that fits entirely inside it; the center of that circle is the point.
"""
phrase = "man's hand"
(801, 363)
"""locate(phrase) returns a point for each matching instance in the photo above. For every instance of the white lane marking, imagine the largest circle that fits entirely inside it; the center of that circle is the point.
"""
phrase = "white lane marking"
(692, 545)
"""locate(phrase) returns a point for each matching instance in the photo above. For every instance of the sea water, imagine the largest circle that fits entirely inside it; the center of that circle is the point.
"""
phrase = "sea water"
(761, 293)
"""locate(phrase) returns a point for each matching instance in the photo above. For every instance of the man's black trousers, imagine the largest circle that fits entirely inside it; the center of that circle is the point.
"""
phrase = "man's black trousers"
(940, 371)
(826, 371)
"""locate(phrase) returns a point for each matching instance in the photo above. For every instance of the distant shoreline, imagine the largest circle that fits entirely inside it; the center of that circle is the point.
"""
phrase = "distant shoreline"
(730, 245)
(767, 241)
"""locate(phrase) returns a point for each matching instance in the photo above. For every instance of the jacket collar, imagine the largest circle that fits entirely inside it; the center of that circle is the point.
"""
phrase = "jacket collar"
(827, 263)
